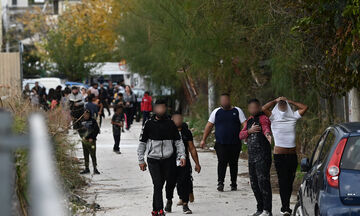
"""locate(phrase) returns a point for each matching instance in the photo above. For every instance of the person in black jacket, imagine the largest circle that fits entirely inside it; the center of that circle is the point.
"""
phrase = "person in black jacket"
(88, 132)
(160, 139)
(182, 178)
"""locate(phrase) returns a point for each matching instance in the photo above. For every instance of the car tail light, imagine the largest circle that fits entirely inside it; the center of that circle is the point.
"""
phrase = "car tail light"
(333, 169)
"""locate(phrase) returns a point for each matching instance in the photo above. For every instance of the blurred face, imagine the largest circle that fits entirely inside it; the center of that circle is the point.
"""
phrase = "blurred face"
(86, 115)
(96, 86)
(75, 91)
(178, 120)
(127, 89)
(118, 111)
(225, 101)
(36, 83)
(101, 85)
(282, 106)
(254, 108)
(83, 91)
(160, 110)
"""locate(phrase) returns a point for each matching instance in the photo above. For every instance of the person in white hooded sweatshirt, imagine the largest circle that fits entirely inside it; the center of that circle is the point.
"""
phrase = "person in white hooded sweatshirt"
(283, 121)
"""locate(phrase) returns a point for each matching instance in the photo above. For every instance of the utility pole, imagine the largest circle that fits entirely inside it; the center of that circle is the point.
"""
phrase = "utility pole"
(1, 28)
(211, 93)
(354, 105)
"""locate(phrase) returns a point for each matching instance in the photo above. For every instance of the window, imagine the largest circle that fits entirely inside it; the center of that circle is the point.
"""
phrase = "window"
(351, 156)
(329, 141)
(318, 149)
(14, 2)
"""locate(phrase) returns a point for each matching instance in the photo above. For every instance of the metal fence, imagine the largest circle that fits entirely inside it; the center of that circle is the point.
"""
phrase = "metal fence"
(46, 197)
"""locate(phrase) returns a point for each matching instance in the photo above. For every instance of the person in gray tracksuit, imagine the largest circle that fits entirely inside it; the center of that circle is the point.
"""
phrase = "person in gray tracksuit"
(161, 142)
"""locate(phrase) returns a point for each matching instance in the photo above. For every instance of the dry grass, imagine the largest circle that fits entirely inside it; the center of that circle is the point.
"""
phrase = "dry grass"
(58, 122)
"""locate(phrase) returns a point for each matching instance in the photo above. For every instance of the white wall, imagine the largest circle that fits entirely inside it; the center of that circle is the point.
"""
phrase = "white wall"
(20, 3)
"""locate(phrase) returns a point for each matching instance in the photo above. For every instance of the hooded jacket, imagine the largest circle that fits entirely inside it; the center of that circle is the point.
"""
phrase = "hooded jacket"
(89, 129)
(159, 140)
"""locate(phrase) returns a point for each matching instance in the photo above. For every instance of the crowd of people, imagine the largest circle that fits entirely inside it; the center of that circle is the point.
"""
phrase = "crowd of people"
(87, 108)
(166, 143)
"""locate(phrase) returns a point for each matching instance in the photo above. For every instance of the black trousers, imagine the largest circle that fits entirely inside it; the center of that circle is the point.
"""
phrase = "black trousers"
(285, 165)
(228, 154)
(89, 149)
(117, 137)
(129, 116)
(146, 116)
(181, 178)
(160, 171)
(260, 183)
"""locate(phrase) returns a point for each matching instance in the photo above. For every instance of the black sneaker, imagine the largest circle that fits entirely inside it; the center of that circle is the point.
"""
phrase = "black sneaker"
(168, 206)
(85, 171)
(256, 213)
(117, 151)
(233, 187)
(96, 171)
(186, 209)
(286, 212)
(220, 187)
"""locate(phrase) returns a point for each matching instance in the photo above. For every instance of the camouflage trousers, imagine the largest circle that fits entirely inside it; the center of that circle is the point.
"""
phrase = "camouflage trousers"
(89, 149)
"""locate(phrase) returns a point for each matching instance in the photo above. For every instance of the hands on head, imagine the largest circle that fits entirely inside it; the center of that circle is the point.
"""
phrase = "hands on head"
(282, 98)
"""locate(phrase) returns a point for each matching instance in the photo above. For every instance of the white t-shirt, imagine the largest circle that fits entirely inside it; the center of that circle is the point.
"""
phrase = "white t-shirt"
(283, 126)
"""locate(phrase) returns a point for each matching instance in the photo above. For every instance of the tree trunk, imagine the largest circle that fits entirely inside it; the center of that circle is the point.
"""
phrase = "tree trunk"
(354, 105)
(211, 94)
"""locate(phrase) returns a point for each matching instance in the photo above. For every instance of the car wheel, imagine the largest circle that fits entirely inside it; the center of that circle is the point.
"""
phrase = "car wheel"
(298, 209)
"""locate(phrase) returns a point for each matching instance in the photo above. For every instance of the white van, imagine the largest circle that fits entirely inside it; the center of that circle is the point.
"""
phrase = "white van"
(48, 83)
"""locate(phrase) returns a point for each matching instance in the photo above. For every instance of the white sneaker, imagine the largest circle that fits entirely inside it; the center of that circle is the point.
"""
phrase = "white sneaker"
(266, 213)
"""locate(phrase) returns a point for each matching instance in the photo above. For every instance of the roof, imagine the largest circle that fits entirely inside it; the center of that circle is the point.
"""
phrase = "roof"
(350, 127)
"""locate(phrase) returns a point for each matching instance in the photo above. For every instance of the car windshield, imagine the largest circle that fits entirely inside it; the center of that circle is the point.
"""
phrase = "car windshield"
(351, 155)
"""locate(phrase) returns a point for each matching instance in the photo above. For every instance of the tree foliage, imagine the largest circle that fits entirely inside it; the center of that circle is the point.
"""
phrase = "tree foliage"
(79, 38)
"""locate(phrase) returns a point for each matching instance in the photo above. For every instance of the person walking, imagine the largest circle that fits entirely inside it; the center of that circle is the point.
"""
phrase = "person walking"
(92, 106)
(117, 122)
(182, 175)
(283, 121)
(76, 106)
(111, 92)
(88, 132)
(257, 132)
(227, 120)
(129, 101)
(146, 106)
(104, 98)
(160, 138)
(94, 89)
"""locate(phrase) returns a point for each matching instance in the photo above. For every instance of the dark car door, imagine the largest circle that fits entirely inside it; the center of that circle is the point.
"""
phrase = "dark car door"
(314, 179)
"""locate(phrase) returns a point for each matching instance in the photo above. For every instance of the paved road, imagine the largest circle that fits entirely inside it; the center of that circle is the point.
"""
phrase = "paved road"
(123, 190)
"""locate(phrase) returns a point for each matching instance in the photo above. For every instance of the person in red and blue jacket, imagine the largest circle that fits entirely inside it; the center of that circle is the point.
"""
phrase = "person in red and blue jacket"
(257, 132)
(146, 106)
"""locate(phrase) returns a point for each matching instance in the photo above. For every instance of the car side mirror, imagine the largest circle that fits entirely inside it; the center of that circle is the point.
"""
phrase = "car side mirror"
(305, 165)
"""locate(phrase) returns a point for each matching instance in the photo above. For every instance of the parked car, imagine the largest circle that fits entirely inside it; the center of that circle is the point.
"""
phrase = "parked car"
(77, 84)
(331, 184)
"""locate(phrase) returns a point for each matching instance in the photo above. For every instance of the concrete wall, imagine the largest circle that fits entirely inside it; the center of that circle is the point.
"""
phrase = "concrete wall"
(10, 77)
